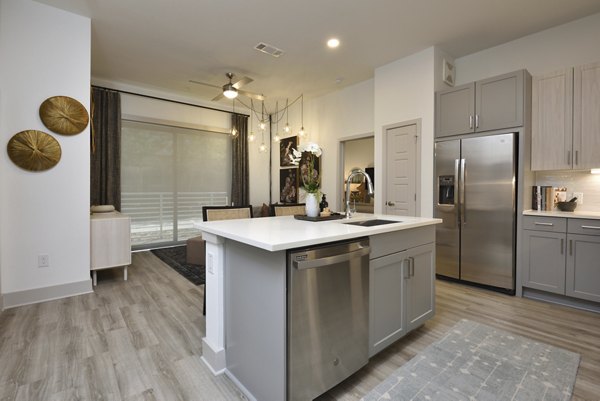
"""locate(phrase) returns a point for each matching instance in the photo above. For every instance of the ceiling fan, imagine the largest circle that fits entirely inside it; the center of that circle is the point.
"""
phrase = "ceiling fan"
(231, 90)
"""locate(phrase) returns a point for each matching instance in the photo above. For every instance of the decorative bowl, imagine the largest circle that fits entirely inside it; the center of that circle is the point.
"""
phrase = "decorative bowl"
(566, 206)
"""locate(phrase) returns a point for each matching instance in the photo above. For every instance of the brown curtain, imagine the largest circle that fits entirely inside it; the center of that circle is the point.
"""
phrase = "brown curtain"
(239, 181)
(105, 157)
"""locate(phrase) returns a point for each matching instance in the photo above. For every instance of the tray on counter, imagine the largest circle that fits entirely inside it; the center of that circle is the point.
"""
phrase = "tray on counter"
(319, 218)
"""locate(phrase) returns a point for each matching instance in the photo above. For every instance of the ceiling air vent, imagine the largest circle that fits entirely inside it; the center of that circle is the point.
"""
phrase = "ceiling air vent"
(269, 49)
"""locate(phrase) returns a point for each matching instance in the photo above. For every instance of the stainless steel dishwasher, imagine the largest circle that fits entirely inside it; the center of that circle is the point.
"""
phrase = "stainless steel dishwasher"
(328, 316)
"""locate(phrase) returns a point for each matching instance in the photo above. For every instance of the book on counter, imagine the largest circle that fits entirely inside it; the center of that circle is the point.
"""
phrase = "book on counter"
(545, 197)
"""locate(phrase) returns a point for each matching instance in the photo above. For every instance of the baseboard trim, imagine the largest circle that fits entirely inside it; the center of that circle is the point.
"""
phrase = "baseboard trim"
(36, 295)
(247, 394)
(214, 359)
(561, 300)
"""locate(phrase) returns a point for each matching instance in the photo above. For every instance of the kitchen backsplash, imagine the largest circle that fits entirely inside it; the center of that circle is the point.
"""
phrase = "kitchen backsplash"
(574, 181)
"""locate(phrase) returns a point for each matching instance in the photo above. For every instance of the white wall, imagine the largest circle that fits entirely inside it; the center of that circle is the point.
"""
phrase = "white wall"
(341, 115)
(44, 52)
(563, 46)
(404, 90)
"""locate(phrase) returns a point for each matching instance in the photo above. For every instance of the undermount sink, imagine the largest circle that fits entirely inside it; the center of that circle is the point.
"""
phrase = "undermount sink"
(373, 222)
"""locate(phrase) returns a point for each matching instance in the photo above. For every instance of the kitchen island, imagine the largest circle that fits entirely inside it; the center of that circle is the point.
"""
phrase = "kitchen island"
(246, 282)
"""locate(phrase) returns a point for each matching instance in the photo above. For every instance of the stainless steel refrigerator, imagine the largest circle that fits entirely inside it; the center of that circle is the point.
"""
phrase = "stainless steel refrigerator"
(476, 199)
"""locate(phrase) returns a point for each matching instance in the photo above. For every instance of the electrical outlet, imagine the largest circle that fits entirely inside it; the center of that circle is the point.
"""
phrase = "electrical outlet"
(209, 263)
(43, 261)
(579, 196)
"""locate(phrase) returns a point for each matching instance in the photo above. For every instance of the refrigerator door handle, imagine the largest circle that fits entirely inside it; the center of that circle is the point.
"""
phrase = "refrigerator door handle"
(456, 188)
(463, 201)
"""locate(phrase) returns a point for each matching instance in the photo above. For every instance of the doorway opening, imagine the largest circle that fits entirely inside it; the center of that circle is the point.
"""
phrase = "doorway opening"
(358, 152)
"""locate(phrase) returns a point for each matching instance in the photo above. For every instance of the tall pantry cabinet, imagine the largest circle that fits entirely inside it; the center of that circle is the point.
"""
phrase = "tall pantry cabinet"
(566, 119)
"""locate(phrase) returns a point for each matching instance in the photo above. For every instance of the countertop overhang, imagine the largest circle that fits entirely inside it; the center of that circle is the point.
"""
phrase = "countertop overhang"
(573, 215)
(286, 232)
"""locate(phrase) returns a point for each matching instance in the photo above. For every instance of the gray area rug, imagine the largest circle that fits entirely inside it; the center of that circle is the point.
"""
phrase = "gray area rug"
(175, 257)
(476, 362)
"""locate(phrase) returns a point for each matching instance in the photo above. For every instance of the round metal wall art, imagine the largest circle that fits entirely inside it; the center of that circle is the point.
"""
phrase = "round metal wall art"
(34, 150)
(64, 115)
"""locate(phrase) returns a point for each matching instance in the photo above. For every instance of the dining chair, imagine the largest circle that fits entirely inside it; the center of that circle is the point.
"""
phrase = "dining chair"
(287, 209)
(214, 213)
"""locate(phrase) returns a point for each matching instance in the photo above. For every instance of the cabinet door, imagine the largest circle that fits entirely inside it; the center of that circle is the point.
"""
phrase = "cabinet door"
(586, 119)
(455, 111)
(552, 121)
(583, 267)
(499, 102)
(420, 286)
(386, 293)
(544, 257)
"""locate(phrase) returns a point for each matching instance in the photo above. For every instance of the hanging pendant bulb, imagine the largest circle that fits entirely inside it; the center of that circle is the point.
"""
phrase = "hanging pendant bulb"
(251, 137)
(301, 133)
(234, 130)
(276, 138)
(287, 128)
(262, 148)
(262, 125)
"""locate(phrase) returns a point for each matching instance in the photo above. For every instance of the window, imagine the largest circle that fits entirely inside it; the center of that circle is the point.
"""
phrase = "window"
(167, 174)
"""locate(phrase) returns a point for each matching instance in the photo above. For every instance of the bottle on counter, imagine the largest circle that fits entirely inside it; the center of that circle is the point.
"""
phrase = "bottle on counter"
(323, 203)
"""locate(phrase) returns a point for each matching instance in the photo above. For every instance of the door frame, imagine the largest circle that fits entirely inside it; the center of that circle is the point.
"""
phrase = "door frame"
(384, 172)
(340, 165)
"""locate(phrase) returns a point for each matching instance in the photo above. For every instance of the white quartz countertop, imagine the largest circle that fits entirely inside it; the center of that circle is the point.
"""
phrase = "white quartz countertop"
(280, 233)
(572, 215)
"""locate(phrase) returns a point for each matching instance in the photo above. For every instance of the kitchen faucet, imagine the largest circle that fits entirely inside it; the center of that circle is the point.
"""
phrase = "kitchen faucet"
(369, 188)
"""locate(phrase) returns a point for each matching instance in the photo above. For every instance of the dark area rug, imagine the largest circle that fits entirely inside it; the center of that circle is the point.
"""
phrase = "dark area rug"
(175, 258)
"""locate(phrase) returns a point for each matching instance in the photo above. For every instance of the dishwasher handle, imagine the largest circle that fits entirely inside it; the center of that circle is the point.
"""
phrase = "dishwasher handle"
(329, 260)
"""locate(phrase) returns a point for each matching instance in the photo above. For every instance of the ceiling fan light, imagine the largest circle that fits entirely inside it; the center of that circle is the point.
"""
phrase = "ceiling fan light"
(229, 91)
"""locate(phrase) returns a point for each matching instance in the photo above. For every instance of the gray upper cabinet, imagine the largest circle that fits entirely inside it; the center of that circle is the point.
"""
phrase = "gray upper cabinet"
(552, 121)
(565, 119)
(455, 110)
(486, 105)
(586, 116)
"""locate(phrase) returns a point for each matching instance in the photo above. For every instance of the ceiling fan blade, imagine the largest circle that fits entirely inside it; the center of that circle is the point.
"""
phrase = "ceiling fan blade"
(218, 97)
(242, 82)
(251, 95)
(205, 84)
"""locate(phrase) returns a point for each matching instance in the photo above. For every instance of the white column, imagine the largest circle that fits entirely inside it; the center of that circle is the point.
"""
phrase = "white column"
(213, 345)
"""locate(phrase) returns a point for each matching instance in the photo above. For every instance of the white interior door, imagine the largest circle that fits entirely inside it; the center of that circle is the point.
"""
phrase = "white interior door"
(401, 143)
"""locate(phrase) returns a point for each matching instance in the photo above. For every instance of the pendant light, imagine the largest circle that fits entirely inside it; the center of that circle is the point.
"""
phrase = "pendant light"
(234, 130)
(301, 133)
(276, 137)
(262, 148)
(287, 128)
(251, 137)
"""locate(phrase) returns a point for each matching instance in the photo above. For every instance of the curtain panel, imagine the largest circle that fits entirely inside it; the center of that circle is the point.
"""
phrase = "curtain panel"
(240, 193)
(105, 152)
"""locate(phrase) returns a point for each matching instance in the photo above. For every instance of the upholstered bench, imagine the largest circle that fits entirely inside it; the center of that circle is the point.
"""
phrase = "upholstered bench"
(195, 251)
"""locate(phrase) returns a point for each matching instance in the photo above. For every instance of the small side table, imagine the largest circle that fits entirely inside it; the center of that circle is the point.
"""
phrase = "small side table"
(110, 242)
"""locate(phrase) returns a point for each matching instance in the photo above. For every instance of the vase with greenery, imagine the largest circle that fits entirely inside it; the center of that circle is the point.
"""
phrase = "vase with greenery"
(305, 157)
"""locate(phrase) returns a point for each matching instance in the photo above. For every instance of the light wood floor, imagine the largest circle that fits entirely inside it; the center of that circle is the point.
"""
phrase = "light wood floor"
(141, 340)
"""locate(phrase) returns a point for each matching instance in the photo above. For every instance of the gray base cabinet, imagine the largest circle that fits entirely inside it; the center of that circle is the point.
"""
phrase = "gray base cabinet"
(402, 288)
(562, 256)
(486, 105)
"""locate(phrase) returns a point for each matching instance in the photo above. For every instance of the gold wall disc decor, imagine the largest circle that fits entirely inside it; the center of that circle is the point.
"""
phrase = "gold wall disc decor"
(34, 150)
(64, 115)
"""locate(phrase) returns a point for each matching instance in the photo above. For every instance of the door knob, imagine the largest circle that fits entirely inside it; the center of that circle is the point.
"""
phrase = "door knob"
(390, 203)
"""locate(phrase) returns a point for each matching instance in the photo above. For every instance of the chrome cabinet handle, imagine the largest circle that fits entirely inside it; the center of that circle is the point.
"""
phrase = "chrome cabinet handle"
(576, 157)
(568, 157)
(470, 121)
(476, 120)
(407, 269)
(591, 227)
(412, 266)
(543, 224)
(390, 203)
(330, 260)
(562, 246)
(571, 247)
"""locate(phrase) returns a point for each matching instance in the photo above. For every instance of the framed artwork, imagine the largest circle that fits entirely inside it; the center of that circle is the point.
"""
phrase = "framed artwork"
(303, 167)
(285, 150)
(288, 185)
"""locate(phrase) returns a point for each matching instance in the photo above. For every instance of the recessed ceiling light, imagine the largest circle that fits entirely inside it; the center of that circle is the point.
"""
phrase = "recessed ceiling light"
(333, 43)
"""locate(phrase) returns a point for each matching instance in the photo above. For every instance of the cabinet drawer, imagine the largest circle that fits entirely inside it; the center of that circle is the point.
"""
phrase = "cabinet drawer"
(554, 224)
(584, 226)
